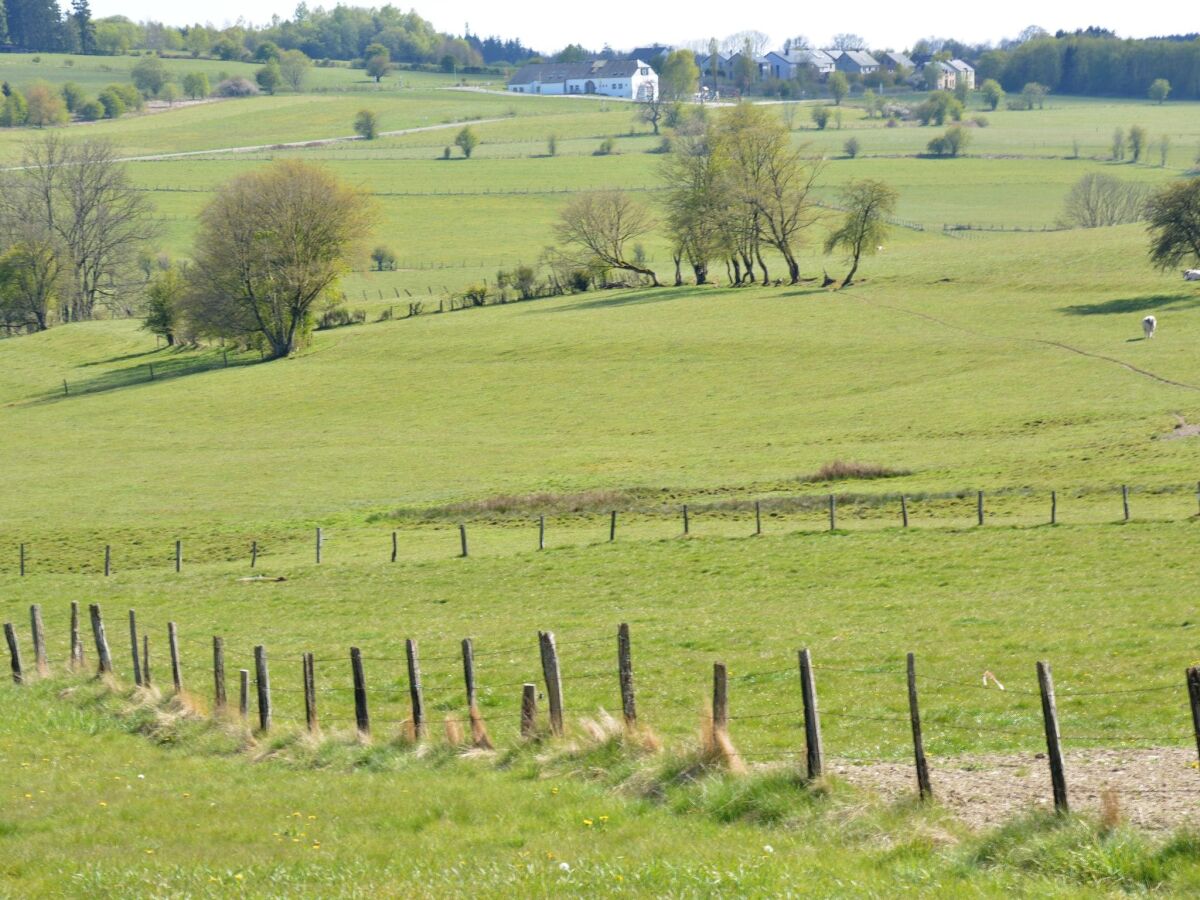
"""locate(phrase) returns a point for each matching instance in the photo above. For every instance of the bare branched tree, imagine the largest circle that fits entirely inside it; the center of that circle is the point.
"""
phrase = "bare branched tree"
(603, 225)
(1097, 200)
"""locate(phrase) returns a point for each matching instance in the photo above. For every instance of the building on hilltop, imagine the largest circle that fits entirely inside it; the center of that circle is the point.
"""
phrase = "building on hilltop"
(953, 73)
(628, 79)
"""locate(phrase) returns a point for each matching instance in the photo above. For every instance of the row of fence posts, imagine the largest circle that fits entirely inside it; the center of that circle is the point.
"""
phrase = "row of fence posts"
(552, 679)
(612, 529)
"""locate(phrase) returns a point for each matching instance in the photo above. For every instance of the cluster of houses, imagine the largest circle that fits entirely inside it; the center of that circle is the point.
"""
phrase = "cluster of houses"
(633, 78)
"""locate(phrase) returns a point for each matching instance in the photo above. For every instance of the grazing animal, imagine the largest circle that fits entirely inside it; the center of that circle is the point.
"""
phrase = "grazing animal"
(1149, 326)
(1191, 275)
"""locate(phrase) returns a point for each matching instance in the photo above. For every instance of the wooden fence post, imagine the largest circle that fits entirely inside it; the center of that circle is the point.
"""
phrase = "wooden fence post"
(686, 523)
(362, 716)
(262, 678)
(979, 508)
(395, 546)
(146, 660)
(133, 645)
(22, 560)
(1053, 748)
(720, 701)
(244, 693)
(176, 671)
(320, 541)
(14, 652)
(814, 751)
(39, 640)
(415, 693)
(914, 713)
(107, 560)
(612, 526)
(541, 532)
(1125, 500)
(101, 640)
(625, 675)
(1193, 686)
(553, 678)
(179, 556)
(1054, 507)
(219, 698)
(757, 518)
(253, 553)
(462, 539)
(310, 693)
(529, 711)
(76, 640)
(832, 512)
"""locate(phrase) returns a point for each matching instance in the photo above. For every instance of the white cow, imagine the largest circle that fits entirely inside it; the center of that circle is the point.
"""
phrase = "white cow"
(1149, 326)
(1191, 275)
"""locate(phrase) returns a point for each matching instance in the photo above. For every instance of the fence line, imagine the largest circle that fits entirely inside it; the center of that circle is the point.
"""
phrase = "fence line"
(806, 717)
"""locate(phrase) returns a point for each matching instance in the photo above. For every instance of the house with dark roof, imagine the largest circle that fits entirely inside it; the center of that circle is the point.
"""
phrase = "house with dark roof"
(855, 62)
(895, 61)
(627, 79)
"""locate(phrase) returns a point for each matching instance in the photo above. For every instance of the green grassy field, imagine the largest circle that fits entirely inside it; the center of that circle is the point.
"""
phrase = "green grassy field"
(1008, 362)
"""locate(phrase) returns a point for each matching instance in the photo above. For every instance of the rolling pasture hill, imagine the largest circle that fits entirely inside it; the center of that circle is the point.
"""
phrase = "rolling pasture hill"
(1006, 358)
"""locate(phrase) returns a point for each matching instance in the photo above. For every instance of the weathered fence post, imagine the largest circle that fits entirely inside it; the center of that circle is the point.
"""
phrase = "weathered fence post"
(39, 640)
(914, 713)
(1193, 686)
(310, 693)
(415, 693)
(395, 546)
(720, 702)
(14, 652)
(101, 640)
(320, 541)
(1125, 500)
(362, 716)
(173, 645)
(979, 508)
(146, 660)
(462, 539)
(253, 553)
(76, 640)
(541, 532)
(529, 711)
(179, 556)
(244, 693)
(814, 751)
(262, 678)
(904, 511)
(1053, 748)
(757, 518)
(479, 735)
(553, 678)
(133, 645)
(1054, 507)
(219, 698)
(625, 674)
(107, 560)
(612, 526)
(22, 559)
(686, 523)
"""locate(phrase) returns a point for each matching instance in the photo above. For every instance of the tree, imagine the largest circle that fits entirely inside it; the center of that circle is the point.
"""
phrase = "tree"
(73, 96)
(1137, 142)
(164, 295)
(745, 69)
(294, 66)
(1159, 90)
(820, 117)
(852, 147)
(1174, 217)
(379, 63)
(651, 111)
(1118, 144)
(273, 243)
(993, 94)
(83, 196)
(195, 85)
(366, 125)
(1034, 94)
(696, 198)
(85, 28)
(868, 203)
(383, 258)
(45, 106)
(680, 76)
(601, 225)
(849, 41)
(30, 266)
(34, 24)
(839, 87)
(1097, 200)
(170, 92)
(269, 77)
(149, 75)
(952, 143)
(113, 103)
(466, 141)
(14, 112)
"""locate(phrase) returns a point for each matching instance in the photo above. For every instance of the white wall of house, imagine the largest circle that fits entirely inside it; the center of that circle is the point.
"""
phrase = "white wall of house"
(641, 85)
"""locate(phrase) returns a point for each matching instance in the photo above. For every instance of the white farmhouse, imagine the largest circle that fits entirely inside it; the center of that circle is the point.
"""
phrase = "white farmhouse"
(628, 79)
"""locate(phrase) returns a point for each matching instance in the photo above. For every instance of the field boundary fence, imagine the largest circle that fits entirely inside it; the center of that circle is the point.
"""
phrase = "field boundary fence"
(256, 690)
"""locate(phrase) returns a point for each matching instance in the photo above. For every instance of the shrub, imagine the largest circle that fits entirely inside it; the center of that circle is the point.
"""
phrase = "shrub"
(113, 103)
(445, 153)
(236, 87)
(384, 259)
(552, 146)
(607, 147)
(980, 121)
(366, 125)
(851, 147)
(91, 110)
(820, 116)
(664, 146)
(73, 96)
(842, 470)
(952, 143)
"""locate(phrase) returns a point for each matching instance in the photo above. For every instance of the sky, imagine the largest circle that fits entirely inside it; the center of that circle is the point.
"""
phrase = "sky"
(624, 24)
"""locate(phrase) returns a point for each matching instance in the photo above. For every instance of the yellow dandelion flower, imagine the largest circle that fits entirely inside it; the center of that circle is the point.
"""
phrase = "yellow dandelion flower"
(604, 818)
(587, 822)
(149, 851)
(312, 818)
(29, 796)
(238, 876)
(102, 803)
(186, 794)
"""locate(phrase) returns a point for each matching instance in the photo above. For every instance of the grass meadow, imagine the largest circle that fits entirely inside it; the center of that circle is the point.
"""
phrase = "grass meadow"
(1008, 361)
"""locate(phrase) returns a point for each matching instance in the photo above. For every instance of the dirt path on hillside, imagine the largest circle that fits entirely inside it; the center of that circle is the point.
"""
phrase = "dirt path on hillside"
(1156, 789)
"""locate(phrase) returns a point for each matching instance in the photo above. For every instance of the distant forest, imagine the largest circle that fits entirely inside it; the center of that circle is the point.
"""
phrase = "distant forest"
(1090, 61)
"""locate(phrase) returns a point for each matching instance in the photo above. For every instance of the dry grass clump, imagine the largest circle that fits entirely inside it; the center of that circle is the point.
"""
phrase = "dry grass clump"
(549, 502)
(843, 470)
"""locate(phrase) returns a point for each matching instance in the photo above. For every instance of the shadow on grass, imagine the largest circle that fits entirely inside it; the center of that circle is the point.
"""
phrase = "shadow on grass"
(158, 368)
(1126, 305)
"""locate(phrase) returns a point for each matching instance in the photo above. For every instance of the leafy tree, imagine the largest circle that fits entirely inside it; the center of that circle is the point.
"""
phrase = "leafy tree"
(938, 107)
(15, 111)
(1174, 223)
(868, 203)
(680, 76)
(85, 29)
(45, 106)
(73, 96)
(195, 85)
(294, 66)
(164, 295)
(745, 69)
(839, 87)
(267, 51)
(992, 92)
(170, 92)
(1118, 144)
(1137, 142)
(272, 244)
(852, 147)
(269, 77)
(384, 259)
(228, 49)
(601, 225)
(820, 116)
(34, 24)
(952, 143)
(552, 146)
(30, 272)
(149, 75)
(572, 53)
(1159, 90)
(1034, 94)
(379, 63)
(366, 125)
(466, 141)
(960, 90)
(91, 110)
